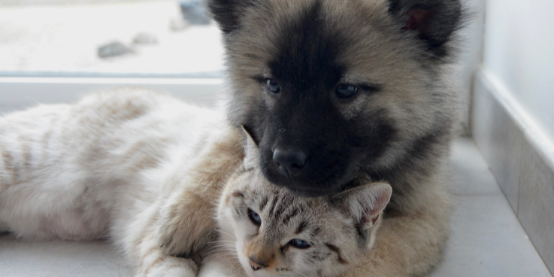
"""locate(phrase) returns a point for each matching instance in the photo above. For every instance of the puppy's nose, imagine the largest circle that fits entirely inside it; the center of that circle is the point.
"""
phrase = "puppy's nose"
(289, 162)
(256, 265)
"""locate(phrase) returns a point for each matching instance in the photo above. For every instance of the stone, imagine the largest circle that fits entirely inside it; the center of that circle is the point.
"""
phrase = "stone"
(178, 24)
(145, 39)
(194, 12)
(113, 49)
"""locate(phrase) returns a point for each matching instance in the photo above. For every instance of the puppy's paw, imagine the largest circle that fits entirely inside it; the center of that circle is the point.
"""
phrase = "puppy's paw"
(185, 226)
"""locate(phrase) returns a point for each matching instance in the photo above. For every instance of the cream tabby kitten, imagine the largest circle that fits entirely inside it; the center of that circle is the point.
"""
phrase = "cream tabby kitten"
(108, 166)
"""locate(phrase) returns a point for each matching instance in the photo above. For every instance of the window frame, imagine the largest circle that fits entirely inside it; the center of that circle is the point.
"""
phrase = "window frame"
(18, 93)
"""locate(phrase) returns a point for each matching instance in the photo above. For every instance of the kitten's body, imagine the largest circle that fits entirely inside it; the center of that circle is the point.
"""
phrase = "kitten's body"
(104, 167)
(97, 168)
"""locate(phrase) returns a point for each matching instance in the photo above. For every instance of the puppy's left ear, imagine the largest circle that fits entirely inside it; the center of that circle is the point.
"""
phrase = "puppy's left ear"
(365, 203)
(228, 13)
(251, 151)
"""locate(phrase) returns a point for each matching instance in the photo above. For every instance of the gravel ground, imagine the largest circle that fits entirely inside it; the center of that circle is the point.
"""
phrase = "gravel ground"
(66, 37)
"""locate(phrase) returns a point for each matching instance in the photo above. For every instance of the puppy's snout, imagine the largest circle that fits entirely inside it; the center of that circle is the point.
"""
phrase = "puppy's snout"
(289, 162)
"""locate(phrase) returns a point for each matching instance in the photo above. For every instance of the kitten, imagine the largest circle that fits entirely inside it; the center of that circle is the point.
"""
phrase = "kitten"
(101, 169)
(272, 232)
(109, 165)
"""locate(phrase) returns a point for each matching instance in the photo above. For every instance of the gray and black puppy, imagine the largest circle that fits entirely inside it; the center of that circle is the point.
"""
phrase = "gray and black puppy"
(338, 93)
(334, 91)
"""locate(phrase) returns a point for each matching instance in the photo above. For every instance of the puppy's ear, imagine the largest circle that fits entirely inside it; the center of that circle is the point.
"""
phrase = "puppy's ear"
(365, 203)
(228, 13)
(434, 21)
(251, 151)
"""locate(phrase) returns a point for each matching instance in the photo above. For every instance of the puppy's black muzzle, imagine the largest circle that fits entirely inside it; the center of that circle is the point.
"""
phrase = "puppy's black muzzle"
(289, 163)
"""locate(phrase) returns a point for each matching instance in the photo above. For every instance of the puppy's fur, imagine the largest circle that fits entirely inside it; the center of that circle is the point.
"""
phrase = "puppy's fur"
(396, 128)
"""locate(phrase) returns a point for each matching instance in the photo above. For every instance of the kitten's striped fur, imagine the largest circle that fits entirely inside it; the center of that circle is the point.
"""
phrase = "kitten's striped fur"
(99, 168)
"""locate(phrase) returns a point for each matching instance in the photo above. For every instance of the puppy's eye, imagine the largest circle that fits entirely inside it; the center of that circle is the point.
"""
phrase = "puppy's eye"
(273, 86)
(254, 217)
(344, 91)
(298, 243)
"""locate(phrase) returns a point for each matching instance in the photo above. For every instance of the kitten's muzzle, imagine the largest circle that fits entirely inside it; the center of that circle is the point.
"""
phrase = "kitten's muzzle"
(256, 265)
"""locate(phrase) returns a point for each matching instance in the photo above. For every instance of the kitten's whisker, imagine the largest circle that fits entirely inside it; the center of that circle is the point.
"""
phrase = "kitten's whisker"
(225, 233)
(220, 241)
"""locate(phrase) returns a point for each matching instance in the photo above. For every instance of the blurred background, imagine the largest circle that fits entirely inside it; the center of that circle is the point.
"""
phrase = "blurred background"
(107, 38)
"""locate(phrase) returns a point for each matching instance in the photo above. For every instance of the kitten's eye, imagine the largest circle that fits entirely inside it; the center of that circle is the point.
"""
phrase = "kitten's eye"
(298, 243)
(254, 217)
(273, 86)
(346, 91)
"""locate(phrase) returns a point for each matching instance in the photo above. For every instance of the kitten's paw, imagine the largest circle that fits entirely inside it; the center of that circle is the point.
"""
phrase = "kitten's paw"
(170, 267)
(186, 226)
(220, 267)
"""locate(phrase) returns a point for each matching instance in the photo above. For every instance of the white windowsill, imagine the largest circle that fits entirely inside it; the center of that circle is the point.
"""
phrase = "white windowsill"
(22, 92)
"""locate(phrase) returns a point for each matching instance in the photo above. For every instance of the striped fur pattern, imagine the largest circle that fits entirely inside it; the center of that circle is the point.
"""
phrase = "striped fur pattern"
(100, 168)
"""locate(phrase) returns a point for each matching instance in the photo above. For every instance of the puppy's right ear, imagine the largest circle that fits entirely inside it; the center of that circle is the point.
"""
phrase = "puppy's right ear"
(227, 13)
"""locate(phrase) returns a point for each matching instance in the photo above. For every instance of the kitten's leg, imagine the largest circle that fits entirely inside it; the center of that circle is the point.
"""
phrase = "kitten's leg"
(3, 227)
(134, 232)
(186, 224)
(217, 266)
(155, 263)
(411, 245)
(187, 221)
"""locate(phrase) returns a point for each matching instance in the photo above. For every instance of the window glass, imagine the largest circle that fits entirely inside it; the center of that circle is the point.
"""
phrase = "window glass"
(113, 38)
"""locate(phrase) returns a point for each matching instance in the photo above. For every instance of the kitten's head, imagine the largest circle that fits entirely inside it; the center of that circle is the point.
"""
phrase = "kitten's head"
(276, 233)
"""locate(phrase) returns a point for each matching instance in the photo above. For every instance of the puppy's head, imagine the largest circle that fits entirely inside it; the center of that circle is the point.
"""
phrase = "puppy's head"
(327, 86)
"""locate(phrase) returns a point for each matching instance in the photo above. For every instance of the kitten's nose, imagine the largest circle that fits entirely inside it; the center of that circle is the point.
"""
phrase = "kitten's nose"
(289, 162)
(256, 265)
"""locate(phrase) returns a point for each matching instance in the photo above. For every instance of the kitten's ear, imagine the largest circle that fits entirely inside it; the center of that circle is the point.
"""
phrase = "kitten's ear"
(365, 203)
(251, 151)
(228, 13)
(434, 20)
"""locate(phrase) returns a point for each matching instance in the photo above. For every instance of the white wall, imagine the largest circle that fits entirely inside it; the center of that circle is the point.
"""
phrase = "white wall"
(471, 45)
(519, 56)
(513, 112)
